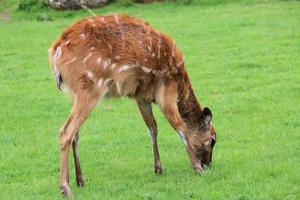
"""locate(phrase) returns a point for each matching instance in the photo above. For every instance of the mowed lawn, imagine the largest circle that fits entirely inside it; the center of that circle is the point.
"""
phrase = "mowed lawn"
(244, 63)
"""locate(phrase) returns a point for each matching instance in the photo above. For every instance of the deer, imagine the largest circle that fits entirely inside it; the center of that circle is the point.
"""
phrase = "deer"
(115, 55)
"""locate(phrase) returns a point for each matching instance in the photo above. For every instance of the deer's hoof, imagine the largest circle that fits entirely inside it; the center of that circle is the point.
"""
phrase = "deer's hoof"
(198, 169)
(80, 181)
(66, 191)
(158, 170)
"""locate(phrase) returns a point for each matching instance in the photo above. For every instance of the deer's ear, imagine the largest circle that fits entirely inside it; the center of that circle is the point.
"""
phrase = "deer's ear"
(207, 115)
(205, 118)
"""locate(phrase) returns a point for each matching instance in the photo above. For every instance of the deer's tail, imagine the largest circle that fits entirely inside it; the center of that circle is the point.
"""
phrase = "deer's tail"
(54, 55)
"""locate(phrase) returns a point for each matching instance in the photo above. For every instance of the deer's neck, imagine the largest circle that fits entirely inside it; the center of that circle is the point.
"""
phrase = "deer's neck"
(189, 107)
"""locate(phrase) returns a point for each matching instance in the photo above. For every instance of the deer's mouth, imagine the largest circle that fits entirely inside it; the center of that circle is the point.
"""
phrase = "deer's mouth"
(204, 158)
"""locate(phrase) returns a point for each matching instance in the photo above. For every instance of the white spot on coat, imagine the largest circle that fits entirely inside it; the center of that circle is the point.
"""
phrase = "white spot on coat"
(92, 22)
(67, 42)
(150, 44)
(116, 18)
(106, 81)
(100, 82)
(123, 39)
(173, 50)
(123, 68)
(171, 59)
(145, 69)
(175, 70)
(82, 36)
(159, 44)
(110, 47)
(105, 65)
(86, 58)
(98, 40)
(99, 60)
(180, 63)
(90, 74)
(73, 59)
(117, 57)
(118, 87)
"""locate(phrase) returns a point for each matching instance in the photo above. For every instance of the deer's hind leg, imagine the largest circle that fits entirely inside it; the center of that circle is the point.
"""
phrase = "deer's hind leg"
(78, 172)
(146, 111)
(83, 103)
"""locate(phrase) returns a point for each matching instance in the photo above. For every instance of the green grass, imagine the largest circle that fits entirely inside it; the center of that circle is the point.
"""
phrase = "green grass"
(243, 61)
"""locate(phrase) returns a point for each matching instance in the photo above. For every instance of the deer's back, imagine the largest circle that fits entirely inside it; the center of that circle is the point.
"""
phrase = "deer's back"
(121, 51)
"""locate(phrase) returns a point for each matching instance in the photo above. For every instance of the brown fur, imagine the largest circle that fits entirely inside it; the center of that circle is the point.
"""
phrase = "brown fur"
(118, 55)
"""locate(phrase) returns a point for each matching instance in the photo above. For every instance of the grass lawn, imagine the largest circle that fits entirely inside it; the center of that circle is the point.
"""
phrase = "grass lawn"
(243, 59)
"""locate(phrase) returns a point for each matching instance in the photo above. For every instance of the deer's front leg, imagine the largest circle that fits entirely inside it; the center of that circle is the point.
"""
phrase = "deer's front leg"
(166, 97)
(146, 111)
(177, 123)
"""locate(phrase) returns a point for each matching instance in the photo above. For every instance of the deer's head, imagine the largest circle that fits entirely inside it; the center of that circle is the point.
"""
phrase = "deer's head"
(203, 138)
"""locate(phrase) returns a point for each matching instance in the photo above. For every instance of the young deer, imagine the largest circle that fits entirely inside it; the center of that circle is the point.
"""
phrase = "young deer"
(117, 55)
